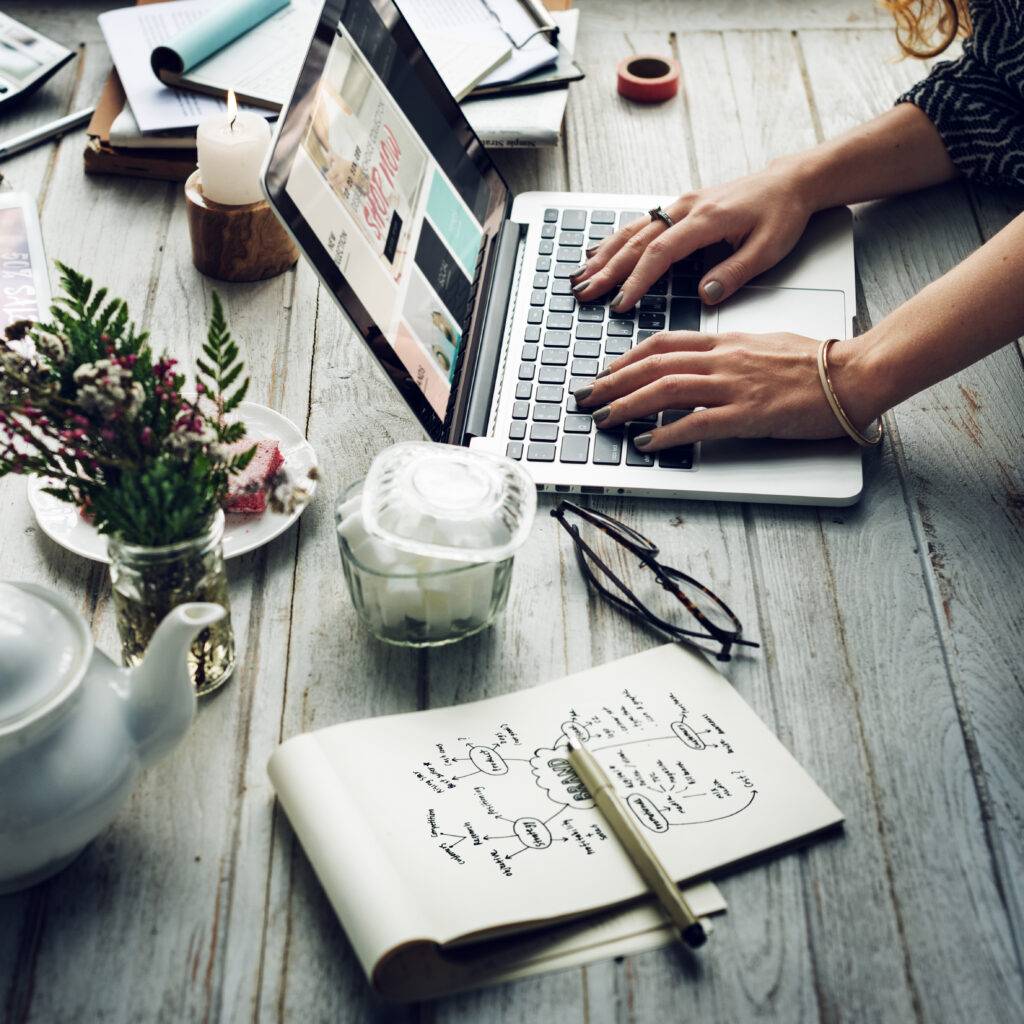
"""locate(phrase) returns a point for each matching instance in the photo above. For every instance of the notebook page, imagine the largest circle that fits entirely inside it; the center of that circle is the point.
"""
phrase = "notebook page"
(482, 817)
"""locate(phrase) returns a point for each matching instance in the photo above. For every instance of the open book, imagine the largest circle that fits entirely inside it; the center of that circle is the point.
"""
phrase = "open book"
(458, 847)
(253, 47)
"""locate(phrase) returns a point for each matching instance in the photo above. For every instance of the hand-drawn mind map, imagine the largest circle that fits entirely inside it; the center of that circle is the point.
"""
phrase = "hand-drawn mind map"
(683, 773)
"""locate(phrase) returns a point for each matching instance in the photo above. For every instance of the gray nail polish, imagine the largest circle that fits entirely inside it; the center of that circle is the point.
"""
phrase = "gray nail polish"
(642, 440)
(576, 288)
(583, 393)
(713, 290)
(593, 249)
(603, 373)
(615, 302)
(602, 414)
(579, 270)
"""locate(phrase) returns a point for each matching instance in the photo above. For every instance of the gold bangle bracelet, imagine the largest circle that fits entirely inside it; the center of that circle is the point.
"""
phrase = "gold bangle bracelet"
(833, 400)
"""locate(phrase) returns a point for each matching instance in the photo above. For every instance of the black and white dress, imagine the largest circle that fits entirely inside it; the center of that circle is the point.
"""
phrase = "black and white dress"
(977, 101)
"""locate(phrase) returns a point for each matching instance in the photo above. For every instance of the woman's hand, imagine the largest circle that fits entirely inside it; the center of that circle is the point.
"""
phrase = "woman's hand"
(742, 385)
(761, 216)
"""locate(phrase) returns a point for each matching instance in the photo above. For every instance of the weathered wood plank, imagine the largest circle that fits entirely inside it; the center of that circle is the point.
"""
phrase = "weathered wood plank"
(207, 811)
(730, 15)
(335, 672)
(862, 674)
(961, 444)
(609, 145)
(763, 939)
(736, 124)
(878, 633)
(706, 539)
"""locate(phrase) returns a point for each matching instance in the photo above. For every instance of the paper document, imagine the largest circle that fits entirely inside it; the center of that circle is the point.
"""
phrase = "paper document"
(526, 119)
(210, 33)
(260, 62)
(463, 44)
(532, 50)
(131, 34)
(464, 825)
(125, 134)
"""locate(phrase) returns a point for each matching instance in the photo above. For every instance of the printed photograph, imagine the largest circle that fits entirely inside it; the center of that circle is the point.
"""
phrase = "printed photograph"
(433, 325)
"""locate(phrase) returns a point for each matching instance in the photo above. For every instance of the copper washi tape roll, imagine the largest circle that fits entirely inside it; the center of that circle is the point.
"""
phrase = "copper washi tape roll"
(646, 78)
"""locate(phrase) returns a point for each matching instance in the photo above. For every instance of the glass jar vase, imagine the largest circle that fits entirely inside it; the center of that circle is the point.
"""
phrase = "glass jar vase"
(148, 582)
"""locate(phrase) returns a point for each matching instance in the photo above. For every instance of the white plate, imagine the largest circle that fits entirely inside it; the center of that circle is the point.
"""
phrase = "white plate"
(62, 523)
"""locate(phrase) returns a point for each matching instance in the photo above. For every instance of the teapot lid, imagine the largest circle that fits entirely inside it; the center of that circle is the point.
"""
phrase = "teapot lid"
(43, 645)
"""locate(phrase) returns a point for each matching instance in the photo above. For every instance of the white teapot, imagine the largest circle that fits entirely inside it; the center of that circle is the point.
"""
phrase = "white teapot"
(75, 729)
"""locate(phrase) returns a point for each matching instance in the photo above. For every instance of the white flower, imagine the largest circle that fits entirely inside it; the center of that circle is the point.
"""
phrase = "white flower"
(283, 496)
(52, 346)
(106, 388)
(21, 372)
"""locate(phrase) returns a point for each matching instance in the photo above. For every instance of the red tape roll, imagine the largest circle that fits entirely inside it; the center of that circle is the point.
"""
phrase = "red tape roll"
(646, 78)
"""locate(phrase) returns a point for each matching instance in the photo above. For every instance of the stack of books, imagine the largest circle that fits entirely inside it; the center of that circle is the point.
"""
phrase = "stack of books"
(508, 61)
(156, 95)
(520, 102)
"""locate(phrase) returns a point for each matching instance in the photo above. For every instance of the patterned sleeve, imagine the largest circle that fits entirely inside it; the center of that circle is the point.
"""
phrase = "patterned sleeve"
(980, 120)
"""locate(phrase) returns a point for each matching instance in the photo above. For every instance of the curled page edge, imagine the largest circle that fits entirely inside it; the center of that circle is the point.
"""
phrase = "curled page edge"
(210, 33)
(425, 970)
(367, 893)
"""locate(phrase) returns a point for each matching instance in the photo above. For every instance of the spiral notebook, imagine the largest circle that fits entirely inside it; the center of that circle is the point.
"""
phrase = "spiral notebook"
(458, 847)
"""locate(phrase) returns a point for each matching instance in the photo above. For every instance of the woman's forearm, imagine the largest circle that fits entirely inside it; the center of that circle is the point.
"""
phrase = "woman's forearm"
(971, 311)
(899, 151)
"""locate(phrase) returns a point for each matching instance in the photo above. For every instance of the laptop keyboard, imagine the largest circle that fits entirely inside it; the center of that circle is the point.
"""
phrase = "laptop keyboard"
(568, 343)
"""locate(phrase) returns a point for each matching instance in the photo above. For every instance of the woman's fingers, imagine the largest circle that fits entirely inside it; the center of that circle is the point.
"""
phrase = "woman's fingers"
(701, 425)
(614, 245)
(664, 341)
(644, 259)
(676, 391)
(756, 255)
(678, 242)
(632, 376)
(603, 271)
(600, 253)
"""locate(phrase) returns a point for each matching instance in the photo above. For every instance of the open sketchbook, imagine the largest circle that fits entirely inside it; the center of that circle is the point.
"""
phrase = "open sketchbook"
(451, 841)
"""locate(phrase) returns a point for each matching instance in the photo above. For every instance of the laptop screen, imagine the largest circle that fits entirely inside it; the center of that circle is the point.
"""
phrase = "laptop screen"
(390, 194)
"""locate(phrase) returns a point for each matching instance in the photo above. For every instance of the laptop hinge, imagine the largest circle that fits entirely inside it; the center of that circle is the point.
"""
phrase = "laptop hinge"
(480, 377)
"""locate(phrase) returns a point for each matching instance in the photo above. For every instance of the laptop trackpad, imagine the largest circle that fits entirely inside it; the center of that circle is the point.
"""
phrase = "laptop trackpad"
(815, 313)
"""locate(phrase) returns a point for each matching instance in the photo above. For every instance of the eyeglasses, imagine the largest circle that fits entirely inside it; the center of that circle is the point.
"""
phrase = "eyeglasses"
(614, 590)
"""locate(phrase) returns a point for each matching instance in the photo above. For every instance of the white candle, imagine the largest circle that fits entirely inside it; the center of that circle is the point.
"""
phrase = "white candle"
(231, 148)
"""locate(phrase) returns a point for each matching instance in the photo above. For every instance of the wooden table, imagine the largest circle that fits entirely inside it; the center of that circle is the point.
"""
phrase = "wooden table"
(892, 631)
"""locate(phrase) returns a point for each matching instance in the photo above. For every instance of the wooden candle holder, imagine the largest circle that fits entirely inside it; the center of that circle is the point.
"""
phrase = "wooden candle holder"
(236, 243)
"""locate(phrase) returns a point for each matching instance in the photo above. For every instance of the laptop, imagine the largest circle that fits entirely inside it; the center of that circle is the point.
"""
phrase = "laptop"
(461, 290)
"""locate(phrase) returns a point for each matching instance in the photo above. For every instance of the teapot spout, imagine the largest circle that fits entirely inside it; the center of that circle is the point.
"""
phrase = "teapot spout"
(161, 699)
